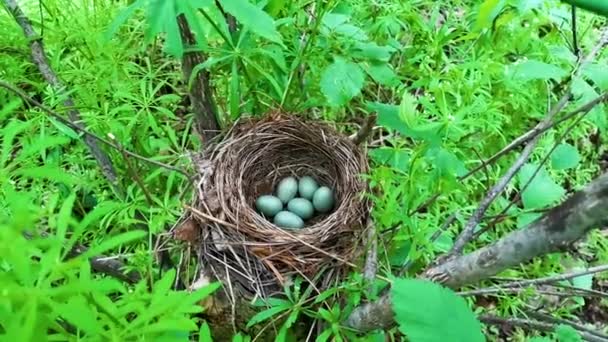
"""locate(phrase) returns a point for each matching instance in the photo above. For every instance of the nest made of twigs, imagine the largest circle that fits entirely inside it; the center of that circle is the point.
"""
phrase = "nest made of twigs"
(238, 242)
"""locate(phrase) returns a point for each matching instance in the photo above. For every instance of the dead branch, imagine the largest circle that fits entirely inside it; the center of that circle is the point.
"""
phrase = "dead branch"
(558, 228)
(40, 60)
(365, 130)
(534, 325)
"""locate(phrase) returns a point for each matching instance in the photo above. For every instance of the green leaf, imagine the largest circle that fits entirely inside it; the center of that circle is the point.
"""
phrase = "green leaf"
(204, 333)
(64, 129)
(51, 173)
(266, 314)
(598, 74)
(77, 312)
(382, 73)
(388, 116)
(446, 162)
(527, 218)
(488, 11)
(114, 242)
(536, 70)
(426, 311)
(565, 156)
(542, 190)
(584, 282)
(407, 109)
(372, 51)
(394, 157)
(253, 18)
(566, 333)
(341, 81)
(122, 17)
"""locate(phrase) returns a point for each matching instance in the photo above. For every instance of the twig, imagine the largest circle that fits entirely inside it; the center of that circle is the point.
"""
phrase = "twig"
(365, 130)
(75, 127)
(533, 133)
(574, 34)
(532, 324)
(406, 266)
(133, 172)
(572, 292)
(468, 232)
(556, 320)
(40, 60)
(559, 277)
(371, 260)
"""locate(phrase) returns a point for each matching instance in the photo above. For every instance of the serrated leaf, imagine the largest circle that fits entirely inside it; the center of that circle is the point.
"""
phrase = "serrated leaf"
(542, 190)
(598, 74)
(254, 18)
(407, 109)
(445, 317)
(382, 73)
(536, 70)
(393, 157)
(372, 51)
(341, 81)
(565, 156)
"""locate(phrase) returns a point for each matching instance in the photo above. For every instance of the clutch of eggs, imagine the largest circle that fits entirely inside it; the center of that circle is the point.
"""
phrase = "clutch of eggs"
(295, 201)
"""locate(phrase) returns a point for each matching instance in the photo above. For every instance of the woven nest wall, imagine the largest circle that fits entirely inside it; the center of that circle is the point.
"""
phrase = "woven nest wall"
(241, 246)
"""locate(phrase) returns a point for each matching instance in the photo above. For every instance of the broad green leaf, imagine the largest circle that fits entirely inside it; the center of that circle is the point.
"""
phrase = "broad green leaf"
(275, 6)
(566, 333)
(565, 156)
(446, 162)
(527, 218)
(444, 242)
(426, 311)
(393, 157)
(488, 11)
(542, 190)
(598, 74)
(382, 73)
(252, 17)
(372, 51)
(388, 116)
(204, 333)
(407, 109)
(582, 282)
(536, 70)
(341, 81)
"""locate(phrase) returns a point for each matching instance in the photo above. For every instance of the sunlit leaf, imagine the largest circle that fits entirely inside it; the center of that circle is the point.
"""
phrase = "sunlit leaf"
(565, 156)
(446, 316)
(542, 190)
(341, 81)
(536, 70)
(253, 18)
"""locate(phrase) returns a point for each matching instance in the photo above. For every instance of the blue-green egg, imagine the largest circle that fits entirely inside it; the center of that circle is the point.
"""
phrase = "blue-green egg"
(323, 199)
(307, 187)
(301, 207)
(268, 205)
(287, 189)
(287, 219)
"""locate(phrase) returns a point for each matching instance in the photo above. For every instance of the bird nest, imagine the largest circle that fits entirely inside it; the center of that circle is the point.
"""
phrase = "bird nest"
(241, 246)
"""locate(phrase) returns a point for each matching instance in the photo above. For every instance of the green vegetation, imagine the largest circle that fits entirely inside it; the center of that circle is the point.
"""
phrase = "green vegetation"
(452, 83)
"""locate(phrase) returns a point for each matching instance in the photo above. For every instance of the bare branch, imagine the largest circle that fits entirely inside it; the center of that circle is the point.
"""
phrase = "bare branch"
(559, 227)
(532, 324)
(84, 131)
(40, 60)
